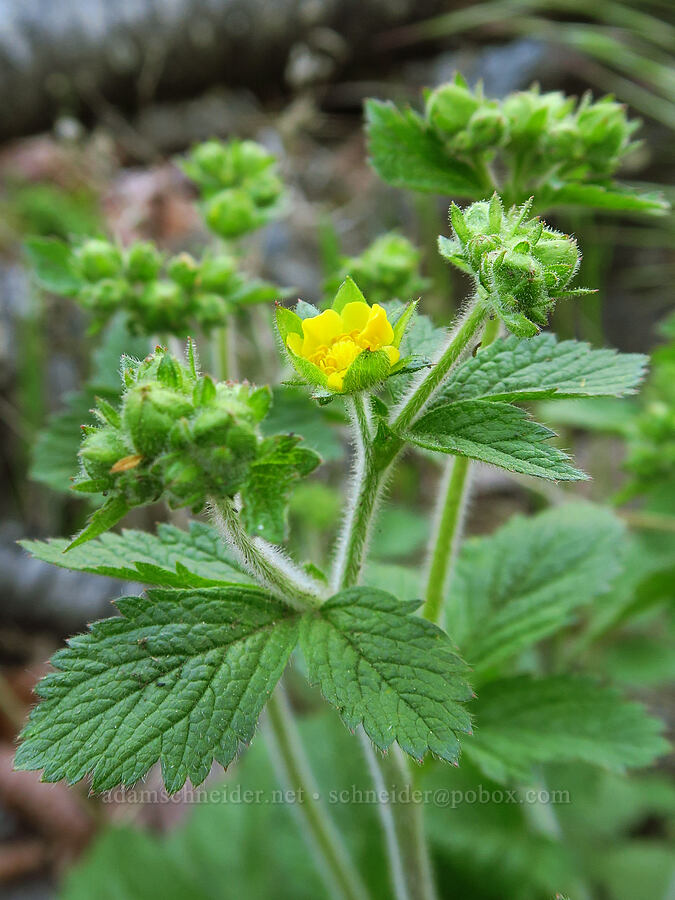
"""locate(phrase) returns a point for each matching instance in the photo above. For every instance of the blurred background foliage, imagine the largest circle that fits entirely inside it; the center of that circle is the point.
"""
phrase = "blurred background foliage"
(93, 117)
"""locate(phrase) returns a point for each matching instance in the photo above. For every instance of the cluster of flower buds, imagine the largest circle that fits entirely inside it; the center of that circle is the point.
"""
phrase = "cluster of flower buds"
(239, 185)
(520, 266)
(386, 270)
(584, 141)
(178, 436)
(349, 348)
(162, 296)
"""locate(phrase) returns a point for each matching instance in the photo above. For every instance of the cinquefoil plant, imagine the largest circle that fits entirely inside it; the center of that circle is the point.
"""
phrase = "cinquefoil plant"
(184, 673)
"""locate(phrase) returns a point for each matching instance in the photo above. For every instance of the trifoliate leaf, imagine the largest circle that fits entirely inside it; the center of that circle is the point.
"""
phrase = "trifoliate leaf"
(382, 666)
(526, 581)
(170, 558)
(405, 153)
(495, 433)
(181, 676)
(280, 463)
(514, 369)
(523, 721)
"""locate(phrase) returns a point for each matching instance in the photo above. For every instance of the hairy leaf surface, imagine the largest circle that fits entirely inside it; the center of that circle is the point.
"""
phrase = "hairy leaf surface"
(524, 721)
(494, 433)
(527, 580)
(181, 676)
(384, 667)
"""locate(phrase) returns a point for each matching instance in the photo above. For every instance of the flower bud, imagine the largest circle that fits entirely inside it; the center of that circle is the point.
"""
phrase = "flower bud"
(450, 107)
(148, 414)
(216, 273)
(105, 296)
(98, 259)
(520, 265)
(231, 213)
(143, 262)
(183, 269)
(100, 450)
(485, 129)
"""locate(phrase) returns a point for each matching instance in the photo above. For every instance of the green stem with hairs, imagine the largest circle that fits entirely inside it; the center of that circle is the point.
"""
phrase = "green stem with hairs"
(447, 534)
(294, 771)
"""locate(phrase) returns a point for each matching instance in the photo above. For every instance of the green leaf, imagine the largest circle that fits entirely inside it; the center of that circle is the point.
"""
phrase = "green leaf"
(402, 322)
(616, 198)
(521, 722)
(52, 262)
(406, 154)
(181, 676)
(293, 410)
(515, 369)
(527, 580)
(495, 433)
(280, 463)
(113, 510)
(348, 292)
(170, 558)
(385, 668)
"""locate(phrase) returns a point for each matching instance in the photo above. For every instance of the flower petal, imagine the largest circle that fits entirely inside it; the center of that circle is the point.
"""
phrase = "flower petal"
(355, 316)
(378, 331)
(320, 330)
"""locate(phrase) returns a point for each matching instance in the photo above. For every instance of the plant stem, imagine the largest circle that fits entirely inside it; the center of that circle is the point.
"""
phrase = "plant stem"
(293, 767)
(446, 535)
(459, 341)
(402, 822)
(265, 562)
(367, 484)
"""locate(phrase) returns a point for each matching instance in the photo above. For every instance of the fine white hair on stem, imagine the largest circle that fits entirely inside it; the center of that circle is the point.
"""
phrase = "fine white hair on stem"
(267, 563)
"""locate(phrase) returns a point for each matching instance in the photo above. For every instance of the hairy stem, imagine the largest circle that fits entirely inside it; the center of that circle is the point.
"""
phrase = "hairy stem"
(367, 485)
(447, 533)
(446, 536)
(265, 562)
(420, 392)
(402, 822)
(294, 771)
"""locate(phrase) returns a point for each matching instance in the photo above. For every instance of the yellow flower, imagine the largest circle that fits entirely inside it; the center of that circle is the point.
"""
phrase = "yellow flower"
(333, 340)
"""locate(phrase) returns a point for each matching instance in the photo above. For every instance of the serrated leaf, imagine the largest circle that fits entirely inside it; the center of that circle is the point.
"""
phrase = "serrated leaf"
(280, 463)
(527, 581)
(616, 198)
(170, 558)
(385, 668)
(516, 369)
(52, 263)
(181, 676)
(495, 433)
(521, 722)
(406, 154)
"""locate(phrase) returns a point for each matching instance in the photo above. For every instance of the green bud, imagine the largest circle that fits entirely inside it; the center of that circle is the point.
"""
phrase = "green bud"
(521, 266)
(605, 132)
(210, 310)
(231, 213)
(216, 273)
(98, 259)
(143, 262)
(183, 269)
(213, 159)
(148, 413)
(486, 128)
(450, 107)
(105, 296)
(100, 450)
(162, 304)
